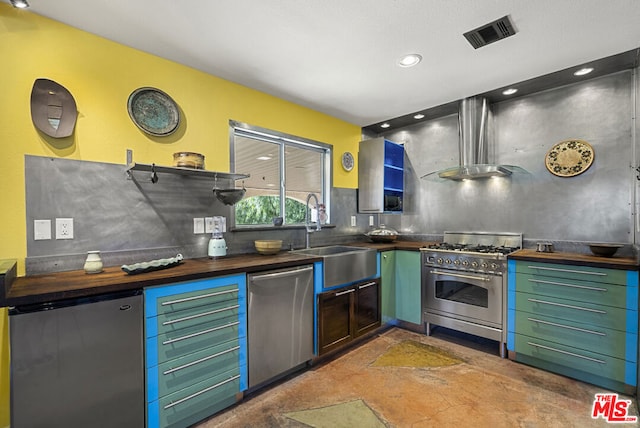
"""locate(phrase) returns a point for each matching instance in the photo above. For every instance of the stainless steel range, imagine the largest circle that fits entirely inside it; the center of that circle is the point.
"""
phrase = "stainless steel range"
(464, 283)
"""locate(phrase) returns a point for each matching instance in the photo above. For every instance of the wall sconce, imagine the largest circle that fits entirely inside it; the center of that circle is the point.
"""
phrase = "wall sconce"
(20, 4)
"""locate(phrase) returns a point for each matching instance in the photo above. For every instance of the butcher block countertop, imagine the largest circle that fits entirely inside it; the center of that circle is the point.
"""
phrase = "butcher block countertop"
(625, 263)
(75, 284)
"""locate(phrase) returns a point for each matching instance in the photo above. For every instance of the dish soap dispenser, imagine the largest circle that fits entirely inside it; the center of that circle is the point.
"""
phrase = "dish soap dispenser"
(217, 244)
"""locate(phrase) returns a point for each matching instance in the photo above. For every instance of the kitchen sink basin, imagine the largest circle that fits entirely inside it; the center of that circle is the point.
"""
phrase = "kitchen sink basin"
(343, 264)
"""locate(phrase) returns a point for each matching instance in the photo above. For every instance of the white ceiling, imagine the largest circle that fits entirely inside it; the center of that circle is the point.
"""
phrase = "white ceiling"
(339, 56)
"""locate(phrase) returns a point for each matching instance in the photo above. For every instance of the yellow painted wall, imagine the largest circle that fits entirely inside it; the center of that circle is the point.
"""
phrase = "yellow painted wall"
(101, 75)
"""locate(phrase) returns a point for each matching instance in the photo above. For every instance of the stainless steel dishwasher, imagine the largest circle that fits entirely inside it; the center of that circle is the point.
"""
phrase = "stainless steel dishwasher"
(78, 363)
(280, 317)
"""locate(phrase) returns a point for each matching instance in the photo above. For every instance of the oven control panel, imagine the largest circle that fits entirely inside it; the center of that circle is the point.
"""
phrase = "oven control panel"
(464, 262)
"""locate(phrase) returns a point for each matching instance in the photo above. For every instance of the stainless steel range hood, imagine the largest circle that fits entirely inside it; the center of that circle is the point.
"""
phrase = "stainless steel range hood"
(473, 118)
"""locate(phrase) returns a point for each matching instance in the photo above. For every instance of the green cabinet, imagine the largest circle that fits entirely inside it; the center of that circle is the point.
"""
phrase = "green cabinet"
(401, 286)
(195, 349)
(579, 321)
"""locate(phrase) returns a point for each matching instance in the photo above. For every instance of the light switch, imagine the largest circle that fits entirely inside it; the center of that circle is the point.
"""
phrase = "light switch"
(353, 221)
(208, 225)
(41, 230)
(198, 225)
(370, 220)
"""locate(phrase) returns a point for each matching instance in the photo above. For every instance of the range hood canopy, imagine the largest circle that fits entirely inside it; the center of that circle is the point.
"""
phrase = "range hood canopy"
(473, 118)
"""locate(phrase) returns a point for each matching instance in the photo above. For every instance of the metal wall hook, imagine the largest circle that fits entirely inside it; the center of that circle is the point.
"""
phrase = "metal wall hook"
(637, 168)
(154, 176)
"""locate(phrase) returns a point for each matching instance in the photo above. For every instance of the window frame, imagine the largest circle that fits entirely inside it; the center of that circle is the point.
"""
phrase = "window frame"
(283, 140)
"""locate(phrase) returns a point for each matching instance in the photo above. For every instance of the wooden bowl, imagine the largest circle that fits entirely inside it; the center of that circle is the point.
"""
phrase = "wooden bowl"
(604, 250)
(268, 246)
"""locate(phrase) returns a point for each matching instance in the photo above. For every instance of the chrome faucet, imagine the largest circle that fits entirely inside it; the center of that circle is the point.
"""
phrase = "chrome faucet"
(307, 218)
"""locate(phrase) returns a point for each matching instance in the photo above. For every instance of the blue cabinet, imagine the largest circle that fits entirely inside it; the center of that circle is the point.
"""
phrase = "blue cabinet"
(380, 176)
(196, 349)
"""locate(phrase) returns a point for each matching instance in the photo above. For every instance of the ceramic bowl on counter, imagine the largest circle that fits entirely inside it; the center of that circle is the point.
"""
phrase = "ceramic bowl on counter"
(268, 246)
(382, 234)
(604, 250)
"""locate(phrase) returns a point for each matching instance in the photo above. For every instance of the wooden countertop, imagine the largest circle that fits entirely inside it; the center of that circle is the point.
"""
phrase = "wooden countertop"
(74, 284)
(625, 263)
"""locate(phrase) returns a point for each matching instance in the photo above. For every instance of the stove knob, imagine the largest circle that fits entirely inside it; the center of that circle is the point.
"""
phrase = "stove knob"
(465, 263)
(484, 265)
(474, 264)
(456, 262)
(448, 261)
(440, 261)
(494, 266)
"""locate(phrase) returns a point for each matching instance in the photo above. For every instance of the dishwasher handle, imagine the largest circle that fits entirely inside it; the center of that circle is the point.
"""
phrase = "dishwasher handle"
(282, 274)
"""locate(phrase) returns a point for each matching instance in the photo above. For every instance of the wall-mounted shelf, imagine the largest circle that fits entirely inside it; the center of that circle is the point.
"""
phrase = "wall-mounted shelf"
(144, 167)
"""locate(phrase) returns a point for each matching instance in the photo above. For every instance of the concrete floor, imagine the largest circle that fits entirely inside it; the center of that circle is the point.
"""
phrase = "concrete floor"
(483, 391)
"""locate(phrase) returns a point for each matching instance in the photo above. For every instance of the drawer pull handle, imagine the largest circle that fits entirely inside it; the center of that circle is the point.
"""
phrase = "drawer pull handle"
(201, 360)
(345, 292)
(202, 296)
(539, 281)
(548, 348)
(189, 397)
(203, 314)
(189, 336)
(360, 287)
(580, 308)
(459, 275)
(568, 271)
(597, 333)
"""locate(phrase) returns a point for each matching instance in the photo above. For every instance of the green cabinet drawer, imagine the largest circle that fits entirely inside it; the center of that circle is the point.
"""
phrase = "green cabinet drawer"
(583, 312)
(175, 344)
(185, 407)
(591, 363)
(174, 375)
(578, 273)
(600, 340)
(210, 314)
(194, 299)
(583, 291)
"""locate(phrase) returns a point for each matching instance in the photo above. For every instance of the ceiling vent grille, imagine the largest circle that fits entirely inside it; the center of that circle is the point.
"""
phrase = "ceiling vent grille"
(492, 32)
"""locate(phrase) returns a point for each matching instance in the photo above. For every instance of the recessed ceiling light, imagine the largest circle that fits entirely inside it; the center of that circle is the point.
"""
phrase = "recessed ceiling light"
(410, 60)
(21, 4)
(583, 71)
(385, 125)
(509, 91)
(419, 116)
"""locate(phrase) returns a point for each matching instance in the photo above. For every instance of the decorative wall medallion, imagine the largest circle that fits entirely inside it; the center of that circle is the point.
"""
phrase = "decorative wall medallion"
(569, 158)
(153, 111)
(347, 161)
(53, 109)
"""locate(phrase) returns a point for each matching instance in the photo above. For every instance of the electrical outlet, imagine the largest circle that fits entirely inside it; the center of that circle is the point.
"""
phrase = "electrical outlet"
(370, 220)
(41, 230)
(64, 228)
(198, 225)
(208, 225)
(353, 221)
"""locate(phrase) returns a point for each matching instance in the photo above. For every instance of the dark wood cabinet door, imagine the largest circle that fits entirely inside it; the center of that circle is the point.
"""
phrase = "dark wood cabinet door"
(367, 306)
(335, 315)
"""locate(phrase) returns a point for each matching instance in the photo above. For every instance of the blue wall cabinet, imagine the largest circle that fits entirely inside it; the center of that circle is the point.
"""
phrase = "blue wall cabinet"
(196, 349)
(380, 176)
(579, 321)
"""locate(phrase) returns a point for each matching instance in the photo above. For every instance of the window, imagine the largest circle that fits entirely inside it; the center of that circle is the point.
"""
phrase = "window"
(283, 170)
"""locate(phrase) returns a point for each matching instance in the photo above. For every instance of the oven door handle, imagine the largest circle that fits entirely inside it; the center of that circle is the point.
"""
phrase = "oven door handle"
(459, 275)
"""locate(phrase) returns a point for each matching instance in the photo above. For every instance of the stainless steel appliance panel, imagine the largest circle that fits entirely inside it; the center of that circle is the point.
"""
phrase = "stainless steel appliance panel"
(280, 317)
(371, 176)
(78, 363)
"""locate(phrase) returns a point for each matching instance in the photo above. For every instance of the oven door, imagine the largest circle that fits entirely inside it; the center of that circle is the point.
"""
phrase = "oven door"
(464, 295)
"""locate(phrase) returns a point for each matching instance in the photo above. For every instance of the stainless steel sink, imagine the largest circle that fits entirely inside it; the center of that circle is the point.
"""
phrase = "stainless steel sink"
(343, 264)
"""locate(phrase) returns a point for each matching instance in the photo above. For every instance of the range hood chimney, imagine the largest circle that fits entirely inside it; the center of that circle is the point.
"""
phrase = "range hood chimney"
(473, 118)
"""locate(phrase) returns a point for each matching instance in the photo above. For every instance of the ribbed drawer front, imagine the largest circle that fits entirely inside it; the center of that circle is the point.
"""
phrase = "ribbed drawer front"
(577, 359)
(583, 312)
(584, 291)
(196, 299)
(199, 315)
(600, 340)
(578, 273)
(192, 404)
(179, 373)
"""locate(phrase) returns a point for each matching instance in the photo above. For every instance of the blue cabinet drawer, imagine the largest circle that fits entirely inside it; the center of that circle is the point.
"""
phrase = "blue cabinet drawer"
(195, 299)
(190, 405)
(577, 273)
(597, 339)
(583, 312)
(560, 356)
(179, 373)
(199, 315)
